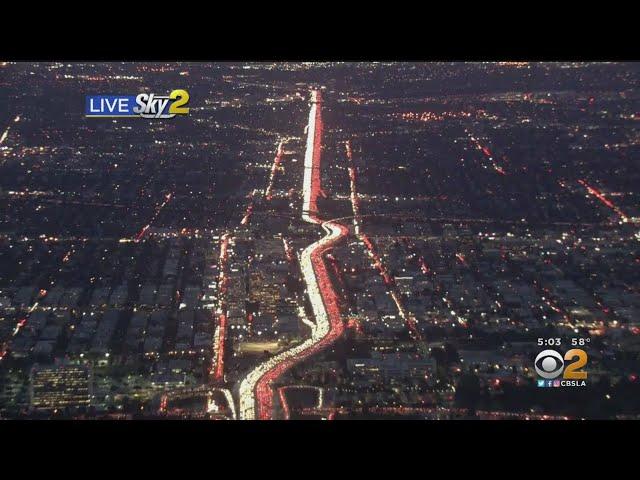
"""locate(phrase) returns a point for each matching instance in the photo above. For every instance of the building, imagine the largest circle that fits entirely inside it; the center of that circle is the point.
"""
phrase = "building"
(60, 386)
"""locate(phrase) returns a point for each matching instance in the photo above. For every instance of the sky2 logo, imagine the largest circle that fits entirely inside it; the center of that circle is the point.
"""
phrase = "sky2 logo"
(549, 364)
(145, 105)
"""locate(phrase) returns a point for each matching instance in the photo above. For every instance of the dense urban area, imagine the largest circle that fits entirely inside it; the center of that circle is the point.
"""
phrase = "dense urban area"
(320, 241)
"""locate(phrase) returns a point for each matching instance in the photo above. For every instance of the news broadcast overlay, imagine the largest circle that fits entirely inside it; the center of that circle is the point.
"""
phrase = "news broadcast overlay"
(557, 370)
(143, 105)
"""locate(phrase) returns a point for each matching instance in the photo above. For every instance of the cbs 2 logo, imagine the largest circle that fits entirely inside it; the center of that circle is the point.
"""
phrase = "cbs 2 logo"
(550, 364)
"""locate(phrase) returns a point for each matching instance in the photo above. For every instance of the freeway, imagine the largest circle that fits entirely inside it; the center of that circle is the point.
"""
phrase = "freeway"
(256, 392)
(312, 160)
(221, 330)
(256, 387)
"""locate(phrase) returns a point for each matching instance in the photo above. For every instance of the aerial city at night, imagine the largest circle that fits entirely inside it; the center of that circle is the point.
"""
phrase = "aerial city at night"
(320, 241)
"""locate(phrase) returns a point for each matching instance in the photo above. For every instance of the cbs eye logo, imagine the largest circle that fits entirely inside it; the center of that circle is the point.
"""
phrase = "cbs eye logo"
(550, 364)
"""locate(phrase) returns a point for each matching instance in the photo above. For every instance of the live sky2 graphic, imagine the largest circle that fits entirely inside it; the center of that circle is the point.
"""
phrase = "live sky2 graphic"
(143, 105)
(557, 370)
